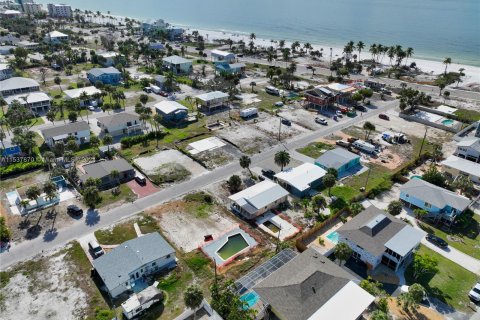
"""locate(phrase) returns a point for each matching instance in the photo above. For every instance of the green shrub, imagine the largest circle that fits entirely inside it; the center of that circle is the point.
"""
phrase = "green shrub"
(199, 197)
(130, 141)
(20, 167)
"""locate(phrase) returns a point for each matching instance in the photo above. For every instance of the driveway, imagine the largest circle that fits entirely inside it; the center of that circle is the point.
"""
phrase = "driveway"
(142, 191)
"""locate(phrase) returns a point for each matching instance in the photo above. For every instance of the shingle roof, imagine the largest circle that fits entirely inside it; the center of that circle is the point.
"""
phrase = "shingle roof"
(104, 168)
(336, 158)
(96, 72)
(176, 60)
(65, 129)
(303, 285)
(434, 195)
(115, 266)
(119, 118)
(17, 83)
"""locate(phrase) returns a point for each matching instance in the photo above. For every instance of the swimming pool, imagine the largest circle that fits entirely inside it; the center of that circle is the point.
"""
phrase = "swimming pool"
(416, 177)
(234, 244)
(250, 298)
(447, 122)
(333, 236)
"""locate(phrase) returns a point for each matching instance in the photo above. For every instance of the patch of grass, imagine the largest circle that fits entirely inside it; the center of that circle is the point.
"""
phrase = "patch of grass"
(468, 114)
(267, 100)
(108, 197)
(82, 113)
(198, 263)
(169, 173)
(315, 149)
(200, 204)
(118, 234)
(4, 279)
(450, 284)
(379, 177)
(148, 224)
(345, 192)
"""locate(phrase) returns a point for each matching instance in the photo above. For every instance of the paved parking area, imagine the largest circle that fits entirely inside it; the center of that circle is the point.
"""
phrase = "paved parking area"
(142, 191)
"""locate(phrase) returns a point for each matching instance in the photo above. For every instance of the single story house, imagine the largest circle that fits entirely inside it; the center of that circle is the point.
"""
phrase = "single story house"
(36, 57)
(6, 50)
(35, 101)
(18, 85)
(79, 130)
(102, 170)
(109, 58)
(123, 123)
(9, 39)
(377, 237)
(345, 162)
(258, 199)
(300, 180)
(157, 46)
(309, 287)
(11, 14)
(220, 55)
(108, 75)
(456, 166)
(211, 101)
(28, 45)
(90, 92)
(177, 65)
(5, 71)
(55, 37)
(171, 110)
(230, 68)
(469, 149)
(132, 261)
(438, 202)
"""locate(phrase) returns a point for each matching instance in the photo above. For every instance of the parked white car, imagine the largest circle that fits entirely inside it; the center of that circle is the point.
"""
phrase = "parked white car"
(321, 121)
(474, 294)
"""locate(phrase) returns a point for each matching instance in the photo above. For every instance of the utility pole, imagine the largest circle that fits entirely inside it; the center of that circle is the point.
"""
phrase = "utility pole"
(368, 176)
(279, 130)
(278, 239)
(423, 141)
(331, 53)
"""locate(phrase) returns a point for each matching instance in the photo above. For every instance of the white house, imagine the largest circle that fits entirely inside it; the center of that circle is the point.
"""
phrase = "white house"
(28, 45)
(469, 149)
(5, 71)
(138, 303)
(18, 85)
(177, 65)
(128, 264)
(211, 101)
(300, 180)
(11, 14)
(455, 166)
(109, 58)
(123, 123)
(80, 131)
(90, 91)
(377, 237)
(55, 37)
(219, 55)
(35, 101)
(258, 199)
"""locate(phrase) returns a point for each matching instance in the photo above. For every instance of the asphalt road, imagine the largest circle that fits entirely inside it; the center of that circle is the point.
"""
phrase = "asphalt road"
(93, 220)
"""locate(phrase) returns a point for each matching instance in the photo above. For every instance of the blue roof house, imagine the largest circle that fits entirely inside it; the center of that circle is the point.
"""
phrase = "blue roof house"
(232, 68)
(345, 162)
(108, 75)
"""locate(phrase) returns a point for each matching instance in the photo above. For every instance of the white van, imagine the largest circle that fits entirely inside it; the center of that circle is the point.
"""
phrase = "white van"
(272, 90)
(141, 180)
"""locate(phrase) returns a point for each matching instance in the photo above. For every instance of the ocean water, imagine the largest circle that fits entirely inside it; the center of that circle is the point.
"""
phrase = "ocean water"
(434, 28)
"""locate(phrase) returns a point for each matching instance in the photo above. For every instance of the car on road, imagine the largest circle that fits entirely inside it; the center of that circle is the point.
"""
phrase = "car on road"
(286, 122)
(439, 242)
(163, 94)
(147, 89)
(361, 108)
(268, 173)
(95, 249)
(474, 294)
(75, 210)
(339, 114)
(91, 108)
(383, 116)
(321, 121)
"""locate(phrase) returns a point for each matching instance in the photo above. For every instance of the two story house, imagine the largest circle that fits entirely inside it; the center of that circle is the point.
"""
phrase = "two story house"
(211, 101)
(79, 131)
(171, 110)
(177, 65)
(108, 75)
(123, 123)
(469, 149)
(344, 161)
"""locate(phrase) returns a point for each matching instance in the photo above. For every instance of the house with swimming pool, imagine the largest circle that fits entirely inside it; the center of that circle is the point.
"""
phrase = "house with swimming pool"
(301, 180)
(377, 237)
(344, 161)
(441, 204)
(258, 199)
(310, 286)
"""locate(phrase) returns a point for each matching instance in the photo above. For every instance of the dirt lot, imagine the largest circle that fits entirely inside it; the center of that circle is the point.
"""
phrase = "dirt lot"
(304, 118)
(150, 164)
(247, 139)
(271, 126)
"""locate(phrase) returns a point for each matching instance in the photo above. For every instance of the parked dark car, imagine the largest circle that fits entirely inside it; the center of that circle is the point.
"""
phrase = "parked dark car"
(439, 242)
(286, 122)
(163, 94)
(361, 108)
(75, 210)
(268, 173)
(383, 116)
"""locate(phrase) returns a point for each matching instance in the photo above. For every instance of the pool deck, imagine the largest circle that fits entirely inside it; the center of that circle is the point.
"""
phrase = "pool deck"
(328, 244)
(287, 229)
(211, 248)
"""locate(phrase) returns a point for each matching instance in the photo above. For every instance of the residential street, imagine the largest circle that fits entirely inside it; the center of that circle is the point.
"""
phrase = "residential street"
(94, 221)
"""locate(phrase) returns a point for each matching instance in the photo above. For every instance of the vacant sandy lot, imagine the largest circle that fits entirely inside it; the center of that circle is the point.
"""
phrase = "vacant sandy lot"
(271, 127)
(247, 138)
(302, 117)
(150, 164)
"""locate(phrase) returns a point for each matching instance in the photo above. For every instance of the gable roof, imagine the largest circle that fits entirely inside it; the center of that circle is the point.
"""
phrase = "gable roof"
(18, 83)
(472, 142)
(336, 158)
(258, 196)
(176, 60)
(76, 93)
(434, 195)
(302, 176)
(114, 267)
(31, 97)
(168, 106)
(96, 72)
(118, 118)
(104, 168)
(303, 285)
(212, 95)
(56, 34)
(373, 228)
(65, 129)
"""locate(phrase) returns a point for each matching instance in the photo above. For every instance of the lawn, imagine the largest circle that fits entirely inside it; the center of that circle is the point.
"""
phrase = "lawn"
(108, 197)
(450, 284)
(117, 235)
(267, 100)
(347, 193)
(468, 114)
(82, 114)
(378, 177)
(315, 149)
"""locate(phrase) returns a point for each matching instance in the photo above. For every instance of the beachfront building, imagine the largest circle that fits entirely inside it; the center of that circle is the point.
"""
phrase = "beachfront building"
(152, 25)
(36, 101)
(212, 101)
(11, 14)
(32, 8)
(118, 124)
(171, 110)
(108, 75)
(127, 265)
(469, 149)
(300, 181)
(310, 286)
(78, 131)
(5, 71)
(87, 96)
(441, 204)
(102, 170)
(219, 55)
(18, 85)
(59, 10)
(55, 37)
(377, 237)
(345, 162)
(177, 65)
(455, 166)
(258, 199)
(230, 68)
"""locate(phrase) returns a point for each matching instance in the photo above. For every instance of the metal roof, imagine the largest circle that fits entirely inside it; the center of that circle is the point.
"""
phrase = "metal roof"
(57, 34)
(259, 195)
(176, 60)
(168, 107)
(17, 83)
(221, 53)
(114, 267)
(96, 72)
(65, 129)
(405, 240)
(336, 158)
(76, 93)
(212, 95)
(118, 118)
(31, 97)
(302, 176)
(463, 165)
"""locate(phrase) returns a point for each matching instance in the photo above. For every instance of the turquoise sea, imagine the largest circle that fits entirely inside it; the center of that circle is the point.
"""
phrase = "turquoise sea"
(434, 28)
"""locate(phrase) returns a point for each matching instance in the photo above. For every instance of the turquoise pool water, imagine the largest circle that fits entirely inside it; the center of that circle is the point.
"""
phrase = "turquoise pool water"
(250, 298)
(416, 177)
(333, 236)
(447, 122)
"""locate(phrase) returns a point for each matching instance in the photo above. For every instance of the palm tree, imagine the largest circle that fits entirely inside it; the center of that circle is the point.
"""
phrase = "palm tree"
(446, 62)
(319, 202)
(460, 75)
(157, 120)
(114, 174)
(329, 181)
(408, 54)
(193, 298)
(49, 158)
(253, 36)
(360, 47)
(245, 162)
(369, 127)
(253, 84)
(282, 158)
(107, 140)
(50, 190)
(33, 192)
(84, 99)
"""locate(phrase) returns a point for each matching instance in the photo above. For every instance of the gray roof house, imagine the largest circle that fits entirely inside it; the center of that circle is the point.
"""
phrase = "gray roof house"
(310, 286)
(102, 170)
(79, 130)
(123, 123)
(377, 237)
(343, 161)
(258, 199)
(177, 65)
(18, 85)
(128, 264)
